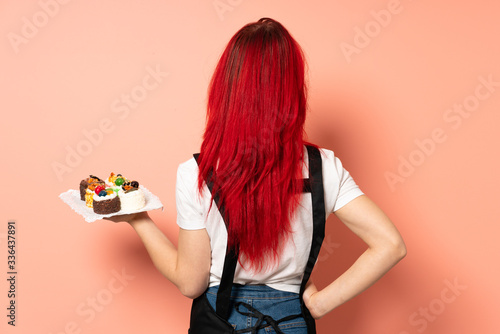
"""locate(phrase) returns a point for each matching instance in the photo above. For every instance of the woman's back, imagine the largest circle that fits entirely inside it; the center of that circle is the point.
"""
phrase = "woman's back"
(286, 274)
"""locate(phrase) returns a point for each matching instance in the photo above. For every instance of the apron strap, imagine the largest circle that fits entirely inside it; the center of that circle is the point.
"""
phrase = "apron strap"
(230, 261)
(314, 185)
(319, 217)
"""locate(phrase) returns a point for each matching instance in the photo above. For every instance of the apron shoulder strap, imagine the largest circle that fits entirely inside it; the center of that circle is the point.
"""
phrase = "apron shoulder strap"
(230, 261)
(315, 184)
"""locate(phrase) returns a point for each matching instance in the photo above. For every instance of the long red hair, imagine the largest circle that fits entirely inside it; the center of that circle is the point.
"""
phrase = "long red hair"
(253, 139)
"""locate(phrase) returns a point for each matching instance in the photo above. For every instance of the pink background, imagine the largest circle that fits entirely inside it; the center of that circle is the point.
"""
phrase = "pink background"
(385, 77)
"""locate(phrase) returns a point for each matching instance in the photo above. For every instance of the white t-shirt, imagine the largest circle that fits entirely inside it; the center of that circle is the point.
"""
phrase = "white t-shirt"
(192, 210)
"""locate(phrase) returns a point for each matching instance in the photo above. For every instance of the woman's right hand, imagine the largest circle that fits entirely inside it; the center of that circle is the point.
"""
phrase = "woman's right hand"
(311, 300)
(385, 249)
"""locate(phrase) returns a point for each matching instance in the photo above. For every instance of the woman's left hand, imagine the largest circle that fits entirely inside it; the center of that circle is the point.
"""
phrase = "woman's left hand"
(128, 218)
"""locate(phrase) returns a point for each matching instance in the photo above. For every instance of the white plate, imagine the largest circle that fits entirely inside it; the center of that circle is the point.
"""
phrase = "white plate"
(72, 198)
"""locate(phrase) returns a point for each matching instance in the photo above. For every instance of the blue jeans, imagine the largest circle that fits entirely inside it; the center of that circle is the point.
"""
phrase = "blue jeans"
(265, 300)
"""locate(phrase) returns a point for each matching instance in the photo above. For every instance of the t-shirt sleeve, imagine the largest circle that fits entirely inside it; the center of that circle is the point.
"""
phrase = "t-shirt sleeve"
(188, 201)
(348, 189)
(340, 187)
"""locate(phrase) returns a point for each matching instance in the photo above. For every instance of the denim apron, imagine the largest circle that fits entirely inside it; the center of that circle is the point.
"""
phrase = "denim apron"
(207, 320)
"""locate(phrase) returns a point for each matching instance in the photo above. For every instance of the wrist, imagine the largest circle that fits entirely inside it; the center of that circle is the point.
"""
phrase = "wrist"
(139, 219)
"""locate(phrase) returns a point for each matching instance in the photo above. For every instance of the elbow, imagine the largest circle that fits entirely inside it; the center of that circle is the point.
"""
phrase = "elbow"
(391, 253)
(193, 284)
(392, 250)
(191, 292)
(399, 250)
(192, 289)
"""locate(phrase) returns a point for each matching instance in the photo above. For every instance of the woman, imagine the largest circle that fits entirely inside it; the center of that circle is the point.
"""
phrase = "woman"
(253, 154)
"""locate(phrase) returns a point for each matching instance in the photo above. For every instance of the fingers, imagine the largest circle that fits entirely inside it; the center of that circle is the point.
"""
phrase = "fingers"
(121, 218)
(310, 300)
(130, 218)
(310, 289)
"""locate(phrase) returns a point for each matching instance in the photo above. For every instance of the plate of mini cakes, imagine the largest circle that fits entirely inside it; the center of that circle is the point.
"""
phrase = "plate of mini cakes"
(116, 195)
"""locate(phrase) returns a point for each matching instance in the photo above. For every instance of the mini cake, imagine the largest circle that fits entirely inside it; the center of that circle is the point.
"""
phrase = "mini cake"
(85, 183)
(131, 196)
(107, 201)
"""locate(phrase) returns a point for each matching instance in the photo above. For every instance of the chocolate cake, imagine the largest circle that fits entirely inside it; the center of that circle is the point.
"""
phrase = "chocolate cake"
(106, 204)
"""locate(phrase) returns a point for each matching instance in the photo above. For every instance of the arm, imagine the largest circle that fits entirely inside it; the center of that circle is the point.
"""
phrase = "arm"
(187, 267)
(385, 249)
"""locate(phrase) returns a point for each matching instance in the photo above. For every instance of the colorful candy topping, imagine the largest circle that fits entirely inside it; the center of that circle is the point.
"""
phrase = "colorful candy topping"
(112, 178)
(98, 189)
(93, 186)
(126, 186)
(119, 181)
(129, 186)
(93, 178)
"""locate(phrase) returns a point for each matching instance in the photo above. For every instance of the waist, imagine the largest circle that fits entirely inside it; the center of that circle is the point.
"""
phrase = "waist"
(255, 291)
